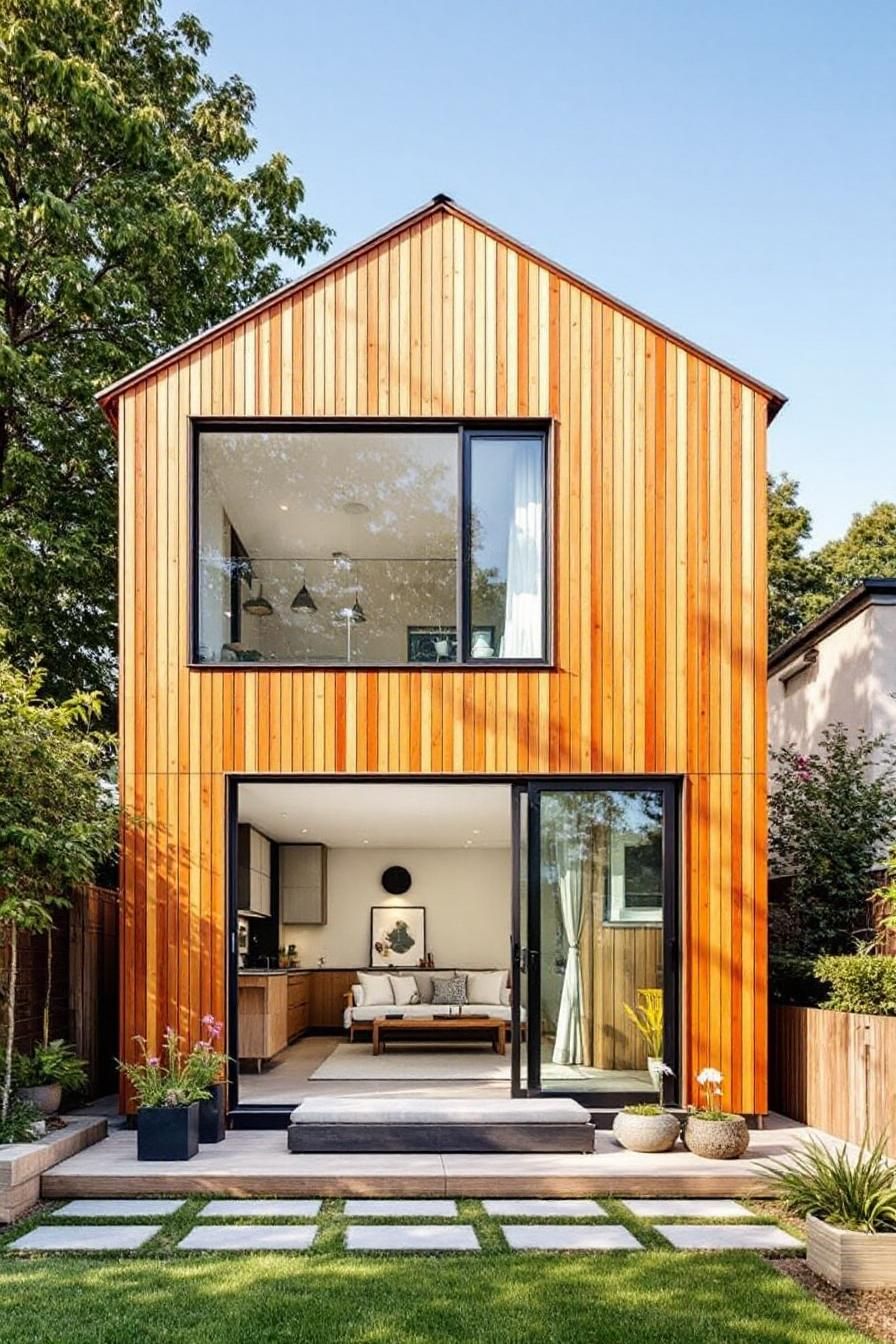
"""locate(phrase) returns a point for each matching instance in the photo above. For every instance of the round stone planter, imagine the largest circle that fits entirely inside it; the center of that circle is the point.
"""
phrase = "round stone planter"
(725, 1138)
(47, 1098)
(646, 1133)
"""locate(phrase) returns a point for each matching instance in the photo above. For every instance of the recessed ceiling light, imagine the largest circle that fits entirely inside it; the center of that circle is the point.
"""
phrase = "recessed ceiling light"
(355, 506)
(468, 843)
(285, 508)
(365, 842)
(304, 830)
(284, 814)
(476, 830)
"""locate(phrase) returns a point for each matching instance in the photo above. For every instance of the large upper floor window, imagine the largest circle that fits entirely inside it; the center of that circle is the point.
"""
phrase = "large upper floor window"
(370, 544)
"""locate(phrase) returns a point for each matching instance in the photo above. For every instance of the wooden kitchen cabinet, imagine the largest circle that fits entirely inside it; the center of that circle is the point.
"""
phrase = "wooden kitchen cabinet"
(263, 1015)
(254, 872)
(298, 1004)
(303, 884)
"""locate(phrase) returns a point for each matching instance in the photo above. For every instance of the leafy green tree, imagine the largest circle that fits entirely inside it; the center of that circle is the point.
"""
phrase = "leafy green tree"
(831, 816)
(58, 815)
(791, 573)
(133, 213)
(867, 550)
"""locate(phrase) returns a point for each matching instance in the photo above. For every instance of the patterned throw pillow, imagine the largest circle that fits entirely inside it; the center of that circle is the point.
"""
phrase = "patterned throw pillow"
(450, 991)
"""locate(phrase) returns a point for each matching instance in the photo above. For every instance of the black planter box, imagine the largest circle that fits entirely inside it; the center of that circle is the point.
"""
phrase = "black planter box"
(167, 1133)
(213, 1115)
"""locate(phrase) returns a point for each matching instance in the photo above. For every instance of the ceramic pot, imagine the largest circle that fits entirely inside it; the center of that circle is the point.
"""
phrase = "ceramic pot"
(646, 1133)
(167, 1133)
(47, 1098)
(724, 1138)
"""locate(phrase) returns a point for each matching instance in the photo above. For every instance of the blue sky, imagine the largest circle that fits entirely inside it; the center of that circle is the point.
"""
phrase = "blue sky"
(729, 168)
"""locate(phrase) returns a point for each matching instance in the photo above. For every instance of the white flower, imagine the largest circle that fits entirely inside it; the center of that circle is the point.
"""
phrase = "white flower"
(706, 1076)
(663, 1069)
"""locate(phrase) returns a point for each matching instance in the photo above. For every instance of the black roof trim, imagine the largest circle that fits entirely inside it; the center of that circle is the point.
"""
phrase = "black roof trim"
(859, 597)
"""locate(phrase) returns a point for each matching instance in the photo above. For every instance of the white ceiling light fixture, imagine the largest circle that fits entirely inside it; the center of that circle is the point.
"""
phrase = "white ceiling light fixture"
(355, 507)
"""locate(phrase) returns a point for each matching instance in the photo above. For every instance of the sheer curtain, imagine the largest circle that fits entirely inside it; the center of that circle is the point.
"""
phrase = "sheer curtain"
(571, 852)
(524, 601)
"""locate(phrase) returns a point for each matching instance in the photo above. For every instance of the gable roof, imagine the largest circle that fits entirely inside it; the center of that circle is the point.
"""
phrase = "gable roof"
(108, 397)
(865, 593)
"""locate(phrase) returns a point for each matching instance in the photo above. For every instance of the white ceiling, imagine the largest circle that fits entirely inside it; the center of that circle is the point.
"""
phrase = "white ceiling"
(286, 494)
(409, 816)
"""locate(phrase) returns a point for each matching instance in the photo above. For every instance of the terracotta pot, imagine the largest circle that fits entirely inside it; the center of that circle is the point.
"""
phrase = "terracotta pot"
(647, 1133)
(850, 1259)
(725, 1138)
(47, 1098)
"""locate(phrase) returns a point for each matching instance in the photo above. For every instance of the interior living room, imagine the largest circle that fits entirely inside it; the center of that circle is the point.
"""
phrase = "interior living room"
(375, 926)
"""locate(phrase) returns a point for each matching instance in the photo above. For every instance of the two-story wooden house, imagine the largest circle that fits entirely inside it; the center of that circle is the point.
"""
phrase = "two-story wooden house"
(443, 641)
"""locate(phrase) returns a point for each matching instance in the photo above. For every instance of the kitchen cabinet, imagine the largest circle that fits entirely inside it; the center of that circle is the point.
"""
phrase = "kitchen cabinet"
(263, 1015)
(298, 1001)
(303, 884)
(254, 872)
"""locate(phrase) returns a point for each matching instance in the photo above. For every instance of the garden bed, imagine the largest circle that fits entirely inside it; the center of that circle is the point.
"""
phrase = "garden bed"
(23, 1164)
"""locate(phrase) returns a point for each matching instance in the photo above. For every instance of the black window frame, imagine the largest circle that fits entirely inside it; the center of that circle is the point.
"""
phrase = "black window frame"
(466, 428)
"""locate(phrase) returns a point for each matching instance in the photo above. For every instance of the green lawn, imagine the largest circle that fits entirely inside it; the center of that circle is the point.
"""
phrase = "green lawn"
(327, 1297)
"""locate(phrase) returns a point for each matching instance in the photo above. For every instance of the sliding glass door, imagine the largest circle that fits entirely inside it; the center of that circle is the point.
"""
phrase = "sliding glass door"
(601, 952)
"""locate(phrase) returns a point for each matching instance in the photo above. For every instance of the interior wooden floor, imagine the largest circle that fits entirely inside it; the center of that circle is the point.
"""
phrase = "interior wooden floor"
(256, 1162)
(287, 1080)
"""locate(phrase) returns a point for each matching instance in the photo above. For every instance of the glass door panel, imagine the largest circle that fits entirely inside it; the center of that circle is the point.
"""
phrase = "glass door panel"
(519, 938)
(604, 876)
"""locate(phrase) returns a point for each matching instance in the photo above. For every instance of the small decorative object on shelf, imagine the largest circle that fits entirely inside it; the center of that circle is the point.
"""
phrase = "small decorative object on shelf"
(708, 1130)
(292, 956)
(649, 1127)
(321, 962)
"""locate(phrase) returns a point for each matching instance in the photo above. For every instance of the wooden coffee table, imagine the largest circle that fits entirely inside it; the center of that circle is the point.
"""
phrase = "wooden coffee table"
(456, 1026)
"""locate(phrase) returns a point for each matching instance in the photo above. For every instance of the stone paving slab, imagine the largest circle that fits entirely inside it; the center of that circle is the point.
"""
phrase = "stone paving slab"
(118, 1208)
(107, 1238)
(261, 1208)
(716, 1237)
(409, 1237)
(687, 1208)
(574, 1237)
(257, 1237)
(543, 1208)
(400, 1208)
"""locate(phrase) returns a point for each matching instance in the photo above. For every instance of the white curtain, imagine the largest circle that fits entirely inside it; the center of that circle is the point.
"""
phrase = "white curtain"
(569, 1042)
(522, 636)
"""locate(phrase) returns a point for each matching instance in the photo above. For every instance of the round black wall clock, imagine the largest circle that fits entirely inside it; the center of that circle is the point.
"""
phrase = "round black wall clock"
(396, 880)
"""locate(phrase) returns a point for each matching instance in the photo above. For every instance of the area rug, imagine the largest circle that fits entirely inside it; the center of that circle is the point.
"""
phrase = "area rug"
(408, 1061)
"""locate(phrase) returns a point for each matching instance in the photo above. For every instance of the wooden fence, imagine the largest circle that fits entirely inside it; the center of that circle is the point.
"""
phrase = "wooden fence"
(836, 1071)
(84, 998)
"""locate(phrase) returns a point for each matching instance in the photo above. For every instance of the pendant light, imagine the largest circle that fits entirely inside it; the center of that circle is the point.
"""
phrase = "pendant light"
(258, 606)
(303, 601)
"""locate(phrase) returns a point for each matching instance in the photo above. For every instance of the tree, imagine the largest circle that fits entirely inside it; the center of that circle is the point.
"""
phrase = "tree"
(831, 815)
(791, 574)
(132, 214)
(866, 551)
(58, 816)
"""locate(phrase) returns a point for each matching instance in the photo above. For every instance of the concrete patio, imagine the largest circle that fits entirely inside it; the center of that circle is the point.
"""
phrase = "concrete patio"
(256, 1162)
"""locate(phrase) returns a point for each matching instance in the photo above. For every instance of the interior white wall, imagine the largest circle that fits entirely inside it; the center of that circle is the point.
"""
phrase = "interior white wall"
(466, 893)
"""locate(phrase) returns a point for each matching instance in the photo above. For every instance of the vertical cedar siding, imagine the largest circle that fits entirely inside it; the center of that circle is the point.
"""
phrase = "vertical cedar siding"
(658, 615)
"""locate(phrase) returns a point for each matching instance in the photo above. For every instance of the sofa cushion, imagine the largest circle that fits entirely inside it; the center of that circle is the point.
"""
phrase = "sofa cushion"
(450, 991)
(420, 1110)
(377, 989)
(366, 1013)
(404, 989)
(485, 986)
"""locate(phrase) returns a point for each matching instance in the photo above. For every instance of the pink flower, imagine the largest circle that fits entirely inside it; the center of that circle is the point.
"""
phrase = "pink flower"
(208, 1020)
(153, 1061)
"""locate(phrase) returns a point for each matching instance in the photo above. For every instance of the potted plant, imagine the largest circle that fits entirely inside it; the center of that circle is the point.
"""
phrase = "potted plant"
(648, 1127)
(647, 1018)
(708, 1130)
(206, 1067)
(849, 1205)
(168, 1098)
(41, 1076)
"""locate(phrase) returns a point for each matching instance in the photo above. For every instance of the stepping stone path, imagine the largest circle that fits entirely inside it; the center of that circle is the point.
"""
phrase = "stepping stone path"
(571, 1237)
(543, 1208)
(109, 1238)
(118, 1208)
(686, 1208)
(252, 1237)
(419, 1237)
(261, 1208)
(400, 1208)
(716, 1237)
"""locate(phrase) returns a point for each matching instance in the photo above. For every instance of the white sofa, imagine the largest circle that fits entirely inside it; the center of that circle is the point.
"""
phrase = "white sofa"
(359, 1014)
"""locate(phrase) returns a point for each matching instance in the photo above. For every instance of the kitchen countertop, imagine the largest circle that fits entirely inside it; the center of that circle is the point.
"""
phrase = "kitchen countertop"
(273, 970)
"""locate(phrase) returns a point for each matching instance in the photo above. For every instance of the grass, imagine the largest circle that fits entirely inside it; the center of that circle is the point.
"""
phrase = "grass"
(325, 1296)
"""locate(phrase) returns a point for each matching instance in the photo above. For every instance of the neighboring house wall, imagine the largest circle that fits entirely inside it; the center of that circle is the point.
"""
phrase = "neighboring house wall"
(852, 681)
(659, 611)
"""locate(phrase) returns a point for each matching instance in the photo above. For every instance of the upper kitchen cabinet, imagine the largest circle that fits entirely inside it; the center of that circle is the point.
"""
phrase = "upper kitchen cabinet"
(303, 884)
(254, 867)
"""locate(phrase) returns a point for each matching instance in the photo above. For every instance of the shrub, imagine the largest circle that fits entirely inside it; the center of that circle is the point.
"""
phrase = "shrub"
(18, 1125)
(859, 1195)
(55, 1062)
(859, 984)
